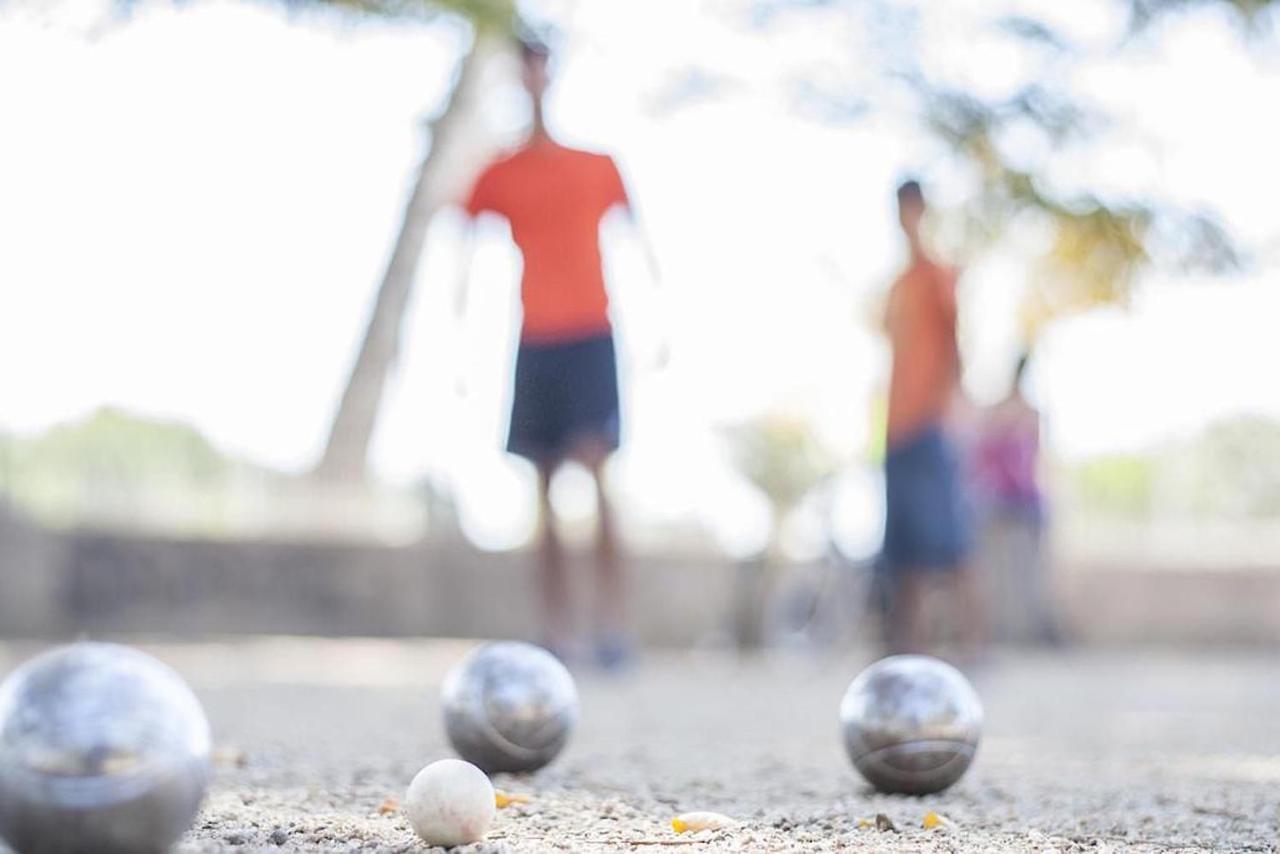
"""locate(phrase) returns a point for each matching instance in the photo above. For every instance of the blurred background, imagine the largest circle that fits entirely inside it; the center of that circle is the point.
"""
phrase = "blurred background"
(199, 201)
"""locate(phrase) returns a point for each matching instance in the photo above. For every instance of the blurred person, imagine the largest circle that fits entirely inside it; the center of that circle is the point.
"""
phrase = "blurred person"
(927, 534)
(565, 404)
(1006, 458)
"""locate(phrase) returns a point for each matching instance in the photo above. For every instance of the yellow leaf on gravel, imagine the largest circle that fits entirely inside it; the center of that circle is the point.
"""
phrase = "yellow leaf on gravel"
(506, 799)
(389, 806)
(933, 821)
(229, 756)
(692, 822)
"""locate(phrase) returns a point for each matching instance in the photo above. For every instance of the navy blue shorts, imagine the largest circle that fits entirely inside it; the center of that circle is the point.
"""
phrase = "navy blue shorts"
(564, 392)
(927, 524)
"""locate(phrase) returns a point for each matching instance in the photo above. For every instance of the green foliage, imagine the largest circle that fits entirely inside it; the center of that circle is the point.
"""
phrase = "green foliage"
(98, 466)
(1236, 469)
(111, 445)
(782, 456)
(1118, 485)
(492, 15)
(1143, 13)
(497, 16)
(1230, 471)
(117, 471)
(1096, 245)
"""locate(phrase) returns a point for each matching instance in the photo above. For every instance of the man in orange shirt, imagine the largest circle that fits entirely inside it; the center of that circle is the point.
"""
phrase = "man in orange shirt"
(927, 530)
(565, 402)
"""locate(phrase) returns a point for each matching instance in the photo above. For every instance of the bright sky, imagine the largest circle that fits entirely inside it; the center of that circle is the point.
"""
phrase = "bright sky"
(197, 207)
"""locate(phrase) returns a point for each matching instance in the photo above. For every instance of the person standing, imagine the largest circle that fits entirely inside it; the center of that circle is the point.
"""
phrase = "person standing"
(927, 530)
(565, 405)
(1006, 463)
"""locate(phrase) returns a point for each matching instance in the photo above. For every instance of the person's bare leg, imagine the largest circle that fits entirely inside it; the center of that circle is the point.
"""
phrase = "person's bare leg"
(973, 613)
(553, 584)
(906, 629)
(1046, 626)
(610, 607)
(612, 647)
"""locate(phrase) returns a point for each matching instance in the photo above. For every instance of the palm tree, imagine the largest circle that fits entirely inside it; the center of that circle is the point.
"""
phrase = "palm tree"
(353, 423)
(452, 155)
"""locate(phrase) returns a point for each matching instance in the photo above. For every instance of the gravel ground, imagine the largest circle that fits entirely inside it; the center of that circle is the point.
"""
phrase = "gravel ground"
(1085, 751)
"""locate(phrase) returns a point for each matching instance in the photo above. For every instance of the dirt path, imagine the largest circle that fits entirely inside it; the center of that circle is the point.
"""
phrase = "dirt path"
(1090, 751)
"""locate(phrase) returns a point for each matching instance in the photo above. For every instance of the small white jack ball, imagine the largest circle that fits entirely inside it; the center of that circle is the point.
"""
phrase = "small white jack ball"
(450, 803)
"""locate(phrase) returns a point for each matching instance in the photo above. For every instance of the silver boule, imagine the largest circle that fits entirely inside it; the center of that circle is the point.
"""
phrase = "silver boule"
(509, 706)
(103, 749)
(911, 724)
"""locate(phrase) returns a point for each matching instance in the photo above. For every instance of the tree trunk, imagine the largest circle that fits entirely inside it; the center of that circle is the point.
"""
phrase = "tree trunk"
(450, 159)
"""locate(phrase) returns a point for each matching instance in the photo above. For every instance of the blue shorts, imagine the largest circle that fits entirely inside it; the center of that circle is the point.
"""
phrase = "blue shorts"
(564, 392)
(927, 525)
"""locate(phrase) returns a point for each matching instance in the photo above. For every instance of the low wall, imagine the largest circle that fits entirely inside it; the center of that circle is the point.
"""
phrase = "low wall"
(59, 585)
(62, 584)
(1109, 604)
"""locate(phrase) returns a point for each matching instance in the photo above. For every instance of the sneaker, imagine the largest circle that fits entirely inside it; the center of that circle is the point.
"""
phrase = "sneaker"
(614, 652)
(562, 650)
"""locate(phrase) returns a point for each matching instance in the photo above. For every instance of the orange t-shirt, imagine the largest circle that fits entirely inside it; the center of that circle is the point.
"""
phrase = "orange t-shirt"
(921, 322)
(554, 198)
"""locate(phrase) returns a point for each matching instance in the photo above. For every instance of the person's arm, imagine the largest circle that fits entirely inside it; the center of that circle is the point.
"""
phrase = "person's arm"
(949, 312)
(882, 312)
(960, 411)
(662, 351)
(616, 193)
(466, 254)
(646, 246)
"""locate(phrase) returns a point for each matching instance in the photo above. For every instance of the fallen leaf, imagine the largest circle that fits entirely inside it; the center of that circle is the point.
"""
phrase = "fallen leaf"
(229, 756)
(389, 806)
(506, 799)
(692, 822)
(865, 823)
(934, 821)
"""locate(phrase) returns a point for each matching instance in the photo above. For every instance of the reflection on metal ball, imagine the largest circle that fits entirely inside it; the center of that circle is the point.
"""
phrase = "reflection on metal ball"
(911, 724)
(509, 706)
(102, 749)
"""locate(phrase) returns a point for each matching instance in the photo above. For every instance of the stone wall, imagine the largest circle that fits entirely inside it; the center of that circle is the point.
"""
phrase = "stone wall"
(61, 585)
